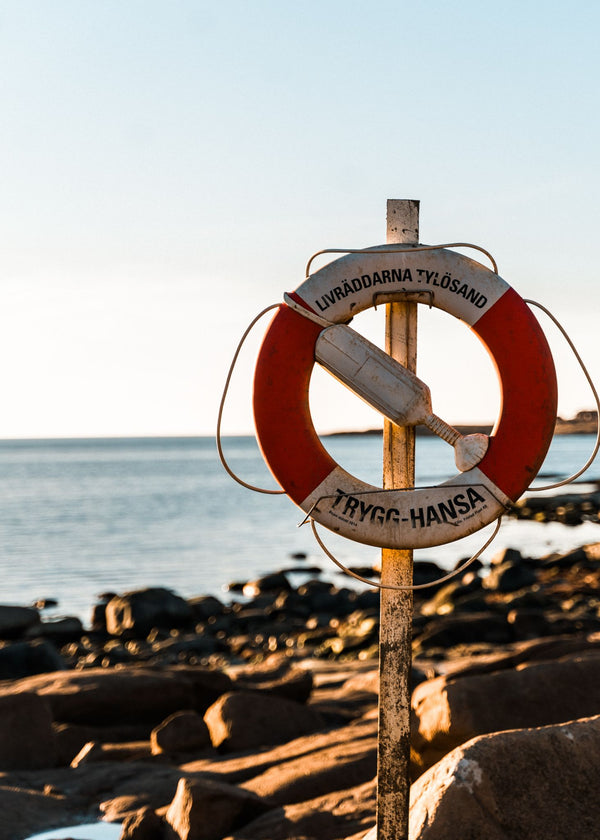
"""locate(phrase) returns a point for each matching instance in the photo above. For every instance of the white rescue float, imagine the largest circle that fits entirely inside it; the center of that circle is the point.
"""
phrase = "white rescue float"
(311, 325)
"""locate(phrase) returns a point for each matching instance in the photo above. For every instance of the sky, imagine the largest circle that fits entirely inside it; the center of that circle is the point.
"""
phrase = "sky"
(167, 169)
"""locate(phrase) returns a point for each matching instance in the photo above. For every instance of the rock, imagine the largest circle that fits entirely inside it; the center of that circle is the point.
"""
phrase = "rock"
(25, 812)
(22, 659)
(319, 595)
(181, 732)
(45, 603)
(327, 817)
(451, 630)
(426, 571)
(26, 736)
(14, 621)
(449, 595)
(58, 630)
(522, 783)
(143, 825)
(71, 737)
(508, 577)
(565, 561)
(450, 711)
(506, 555)
(239, 768)
(99, 696)
(98, 618)
(147, 785)
(529, 623)
(208, 810)
(294, 684)
(321, 771)
(528, 651)
(275, 582)
(207, 684)
(205, 607)
(94, 751)
(245, 720)
(139, 611)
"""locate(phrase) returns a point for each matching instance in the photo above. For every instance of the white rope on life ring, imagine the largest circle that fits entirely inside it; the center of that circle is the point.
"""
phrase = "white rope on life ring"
(307, 327)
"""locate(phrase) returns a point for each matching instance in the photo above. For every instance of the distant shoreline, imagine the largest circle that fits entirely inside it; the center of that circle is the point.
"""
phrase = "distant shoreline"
(575, 426)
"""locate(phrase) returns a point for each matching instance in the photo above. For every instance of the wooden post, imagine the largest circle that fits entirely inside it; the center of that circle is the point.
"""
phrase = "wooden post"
(395, 637)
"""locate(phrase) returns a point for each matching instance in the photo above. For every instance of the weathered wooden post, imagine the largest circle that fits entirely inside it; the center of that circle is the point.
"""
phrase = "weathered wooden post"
(395, 641)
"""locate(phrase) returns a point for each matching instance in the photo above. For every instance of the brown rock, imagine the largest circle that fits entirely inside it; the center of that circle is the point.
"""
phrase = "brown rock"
(244, 720)
(148, 786)
(322, 771)
(25, 812)
(522, 783)
(26, 737)
(451, 711)
(143, 825)
(14, 621)
(99, 696)
(181, 732)
(207, 810)
(239, 768)
(139, 611)
(329, 817)
(294, 684)
(72, 737)
(93, 751)
(25, 658)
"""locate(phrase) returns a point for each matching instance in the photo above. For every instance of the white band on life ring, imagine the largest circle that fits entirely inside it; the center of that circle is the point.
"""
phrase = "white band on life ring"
(416, 518)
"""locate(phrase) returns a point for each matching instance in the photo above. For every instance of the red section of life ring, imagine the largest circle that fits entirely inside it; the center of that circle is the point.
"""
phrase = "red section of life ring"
(517, 447)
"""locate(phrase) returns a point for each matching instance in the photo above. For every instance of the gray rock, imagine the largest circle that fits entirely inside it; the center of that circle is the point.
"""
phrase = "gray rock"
(522, 783)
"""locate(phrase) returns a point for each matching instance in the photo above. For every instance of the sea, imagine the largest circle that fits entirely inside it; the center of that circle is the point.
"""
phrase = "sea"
(83, 517)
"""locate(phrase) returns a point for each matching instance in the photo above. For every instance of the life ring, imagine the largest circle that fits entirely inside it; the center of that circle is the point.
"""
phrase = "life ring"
(412, 518)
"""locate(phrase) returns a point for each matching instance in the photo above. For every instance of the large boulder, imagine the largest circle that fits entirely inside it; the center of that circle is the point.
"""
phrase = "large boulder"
(99, 696)
(450, 711)
(244, 720)
(522, 783)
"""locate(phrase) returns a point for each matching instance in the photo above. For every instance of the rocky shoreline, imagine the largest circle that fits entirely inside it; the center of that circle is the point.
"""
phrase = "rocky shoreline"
(255, 718)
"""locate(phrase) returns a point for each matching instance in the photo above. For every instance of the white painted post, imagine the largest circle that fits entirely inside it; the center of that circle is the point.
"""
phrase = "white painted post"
(395, 636)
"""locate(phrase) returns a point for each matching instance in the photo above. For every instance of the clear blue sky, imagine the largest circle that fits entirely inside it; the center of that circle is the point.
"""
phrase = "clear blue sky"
(167, 168)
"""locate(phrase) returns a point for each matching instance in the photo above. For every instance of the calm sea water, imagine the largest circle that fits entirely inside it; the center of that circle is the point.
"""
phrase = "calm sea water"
(80, 517)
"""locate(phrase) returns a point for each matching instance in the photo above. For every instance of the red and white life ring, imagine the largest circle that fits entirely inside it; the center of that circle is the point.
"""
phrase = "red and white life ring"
(414, 518)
